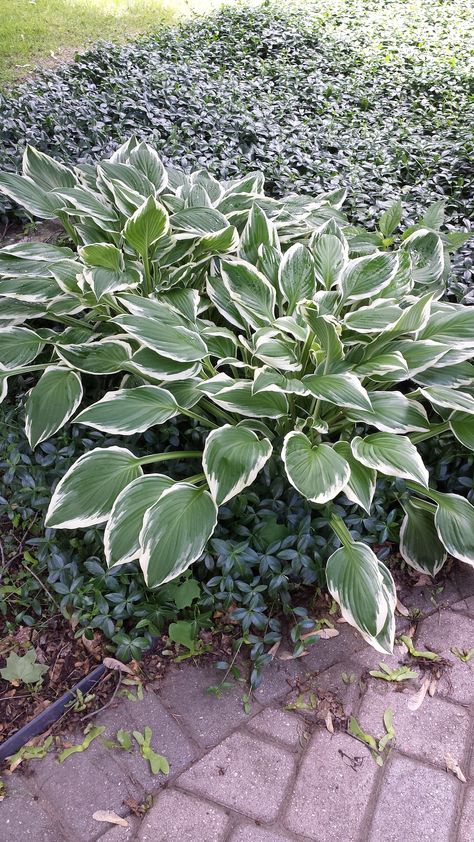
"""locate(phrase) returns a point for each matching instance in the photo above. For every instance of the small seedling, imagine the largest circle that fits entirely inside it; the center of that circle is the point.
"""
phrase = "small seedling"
(376, 747)
(79, 702)
(184, 633)
(158, 763)
(91, 733)
(416, 653)
(464, 655)
(349, 677)
(400, 674)
(137, 684)
(30, 753)
(24, 669)
(300, 703)
(123, 740)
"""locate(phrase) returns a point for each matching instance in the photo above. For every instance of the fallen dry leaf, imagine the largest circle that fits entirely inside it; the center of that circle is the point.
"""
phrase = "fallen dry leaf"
(287, 656)
(452, 765)
(329, 722)
(415, 701)
(402, 609)
(113, 664)
(433, 685)
(323, 634)
(422, 581)
(341, 620)
(274, 649)
(110, 817)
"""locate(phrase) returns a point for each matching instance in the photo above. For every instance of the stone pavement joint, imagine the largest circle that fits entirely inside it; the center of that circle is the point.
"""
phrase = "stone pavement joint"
(273, 775)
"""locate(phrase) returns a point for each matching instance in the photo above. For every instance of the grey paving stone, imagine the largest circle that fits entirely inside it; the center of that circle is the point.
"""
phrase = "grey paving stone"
(278, 679)
(347, 689)
(325, 653)
(250, 833)
(87, 781)
(168, 738)
(330, 797)
(176, 817)
(278, 724)
(121, 834)
(466, 826)
(441, 632)
(436, 728)
(417, 804)
(208, 719)
(464, 577)
(22, 818)
(431, 597)
(243, 773)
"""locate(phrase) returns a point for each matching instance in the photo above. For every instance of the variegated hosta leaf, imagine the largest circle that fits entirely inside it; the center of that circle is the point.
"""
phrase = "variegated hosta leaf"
(175, 532)
(237, 397)
(363, 277)
(449, 398)
(419, 542)
(145, 159)
(232, 458)
(149, 364)
(326, 333)
(199, 220)
(259, 231)
(146, 226)
(296, 276)
(45, 171)
(51, 403)
(330, 255)
(454, 521)
(128, 411)
(317, 471)
(121, 536)
(24, 191)
(86, 493)
(364, 590)
(341, 389)
(104, 255)
(250, 291)
(390, 454)
(452, 326)
(165, 335)
(393, 412)
(18, 346)
(462, 425)
(427, 253)
(107, 357)
(360, 486)
(390, 219)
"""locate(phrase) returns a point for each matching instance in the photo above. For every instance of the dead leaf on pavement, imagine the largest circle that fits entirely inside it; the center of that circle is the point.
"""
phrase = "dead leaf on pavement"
(274, 649)
(323, 634)
(110, 817)
(452, 765)
(402, 609)
(329, 722)
(415, 701)
(113, 664)
(422, 581)
(287, 656)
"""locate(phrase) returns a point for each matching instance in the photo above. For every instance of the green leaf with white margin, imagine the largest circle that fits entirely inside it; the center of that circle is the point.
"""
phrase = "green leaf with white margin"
(454, 521)
(330, 256)
(238, 397)
(175, 532)
(296, 276)
(360, 487)
(427, 254)
(149, 222)
(122, 533)
(47, 173)
(325, 329)
(103, 281)
(419, 542)
(363, 277)
(453, 326)
(250, 291)
(107, 357)
(259, 231)
(18, 347)
(449, 398)
(393, 412)
(128, 411)
(199, 220)
(51, 403)
(318, 472)
(222, 301)
(390, 219)
(165, 334)
(105, 255)
(87, 492)
(232, 458)
(356, 581)
(376, 317)
(149, 364)
(390, 454)
(341, 389)
(147, 161)
(462, 426)
(26, 193)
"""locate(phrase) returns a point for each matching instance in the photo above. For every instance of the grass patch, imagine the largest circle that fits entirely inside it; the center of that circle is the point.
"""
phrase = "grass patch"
(44, 31)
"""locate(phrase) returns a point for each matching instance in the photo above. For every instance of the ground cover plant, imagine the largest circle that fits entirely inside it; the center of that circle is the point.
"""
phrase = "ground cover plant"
(378, 99)
(284, 331)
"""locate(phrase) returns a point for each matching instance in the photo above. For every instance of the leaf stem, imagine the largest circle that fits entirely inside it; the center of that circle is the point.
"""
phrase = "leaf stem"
(340, 529)
(165, 457)
(435, 431)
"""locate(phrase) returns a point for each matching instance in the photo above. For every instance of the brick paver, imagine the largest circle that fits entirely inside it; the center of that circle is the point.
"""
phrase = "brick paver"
(275, 775)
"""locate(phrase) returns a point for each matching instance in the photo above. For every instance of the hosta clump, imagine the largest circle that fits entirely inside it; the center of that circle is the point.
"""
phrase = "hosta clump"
(286, 332)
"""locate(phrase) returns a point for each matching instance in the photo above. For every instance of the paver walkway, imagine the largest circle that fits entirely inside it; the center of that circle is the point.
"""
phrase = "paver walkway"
(277, 775)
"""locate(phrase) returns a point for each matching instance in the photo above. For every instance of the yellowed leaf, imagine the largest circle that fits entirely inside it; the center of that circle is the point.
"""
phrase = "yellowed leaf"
(452, 765)
(110, 817)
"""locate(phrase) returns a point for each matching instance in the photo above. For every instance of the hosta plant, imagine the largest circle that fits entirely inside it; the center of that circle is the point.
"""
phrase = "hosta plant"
(289, 334)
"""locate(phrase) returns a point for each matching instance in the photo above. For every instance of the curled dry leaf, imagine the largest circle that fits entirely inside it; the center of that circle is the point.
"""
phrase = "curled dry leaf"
(110, 817)
(452, 765)
(415, 701)
(274, 649)
(402, 609)
(329, 722)
(113, 664)
(322, 634)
